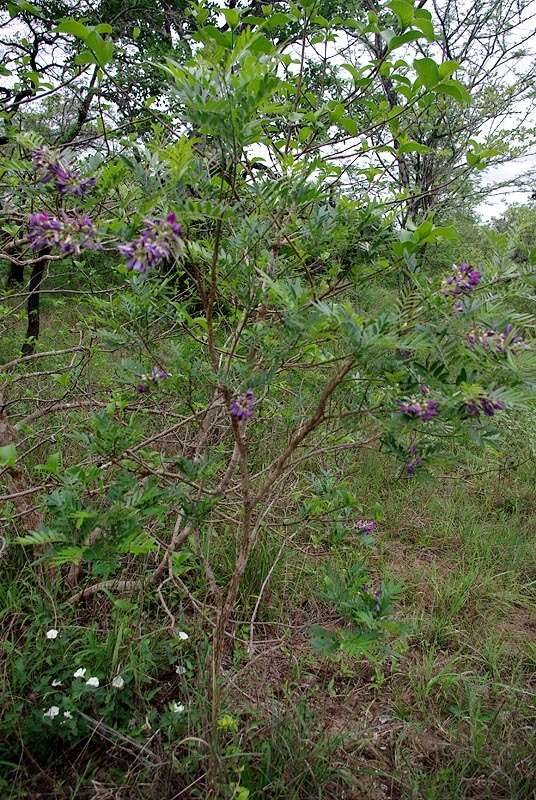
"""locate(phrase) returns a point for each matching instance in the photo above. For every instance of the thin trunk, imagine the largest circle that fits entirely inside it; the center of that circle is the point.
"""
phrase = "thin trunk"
(15, 279)
(32, 331)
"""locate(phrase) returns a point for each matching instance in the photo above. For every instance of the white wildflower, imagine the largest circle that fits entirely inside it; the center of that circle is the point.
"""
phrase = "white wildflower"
(180, 670)
(52, 712)
(67, 715)
(118, 682)
(183, 636)
(52, 633)
(177, 708)
(56, 682)
(80, 673)
(92, 682)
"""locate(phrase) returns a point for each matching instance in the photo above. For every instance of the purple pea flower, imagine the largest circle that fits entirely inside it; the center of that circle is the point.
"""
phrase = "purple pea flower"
(365, 525)
(473, 408)
(68, 181)
(413, 463)
(44, 230)
(153, 244)
(72, 233)
(419, 409)
(243, 407)
(462, 281)
(495, 342)
(159, 374)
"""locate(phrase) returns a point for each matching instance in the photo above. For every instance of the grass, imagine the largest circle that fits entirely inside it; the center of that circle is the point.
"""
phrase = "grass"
(451, 717)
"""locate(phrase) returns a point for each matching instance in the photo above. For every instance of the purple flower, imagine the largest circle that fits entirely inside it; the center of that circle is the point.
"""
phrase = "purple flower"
(473, 408)
(159, 374)
(44, 230)
(492, 341)
(462, 281)
(72, 233)
(67, 181)
(153, 244)
(414, 461)
(142, 388)
(243, 407)
(419, 409)
(365, 525)
(424, 388)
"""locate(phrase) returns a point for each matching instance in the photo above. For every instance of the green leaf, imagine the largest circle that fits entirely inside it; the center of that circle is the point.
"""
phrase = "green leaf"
(349, 125)
(232, 17)
(73, 27)
(68, 555)
(404, 38)
(404, 11)
(136, 32)
(413, 147)
(304, 133)
(423, 21)
(138, 544)
(447, 68)
(427, 70)
(51, 465)
(322, 640)
(358, 643)
(277, 20)
(454, 89)
(42, 536)
(85, 57)
(22, 5)
(182, 562)
(8, 455)
(354, 72)
(103, 48)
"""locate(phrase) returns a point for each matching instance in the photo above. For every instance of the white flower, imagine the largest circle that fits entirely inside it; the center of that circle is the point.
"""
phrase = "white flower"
(118, 682)
(177, 708)
(180, 670)
(52, 633)
(92, 682)
(52, 712)
(183, 636)
(80, 673)
(56, 682)
(67, 715)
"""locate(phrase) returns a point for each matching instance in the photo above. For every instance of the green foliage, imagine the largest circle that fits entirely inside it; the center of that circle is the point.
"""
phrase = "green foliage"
(369, 613)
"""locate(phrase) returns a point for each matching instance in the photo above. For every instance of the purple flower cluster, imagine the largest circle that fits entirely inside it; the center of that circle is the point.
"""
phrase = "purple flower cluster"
(67, 181)
(243, 407)
(365, 525)
(72, 233)
(418, 409)
(413, 463)
(462, 281)
(497, 342)
(156, 374)
(154, 243)
(483, 405)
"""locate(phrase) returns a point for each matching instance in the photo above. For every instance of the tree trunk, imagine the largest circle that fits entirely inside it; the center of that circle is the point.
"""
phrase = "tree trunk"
(32, 331)
(15, 278)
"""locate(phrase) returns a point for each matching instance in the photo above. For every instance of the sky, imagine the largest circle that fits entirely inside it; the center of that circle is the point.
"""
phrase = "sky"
(496, 203)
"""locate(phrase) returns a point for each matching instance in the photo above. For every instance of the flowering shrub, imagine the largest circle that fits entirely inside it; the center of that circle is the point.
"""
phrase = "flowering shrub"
(167, 493)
